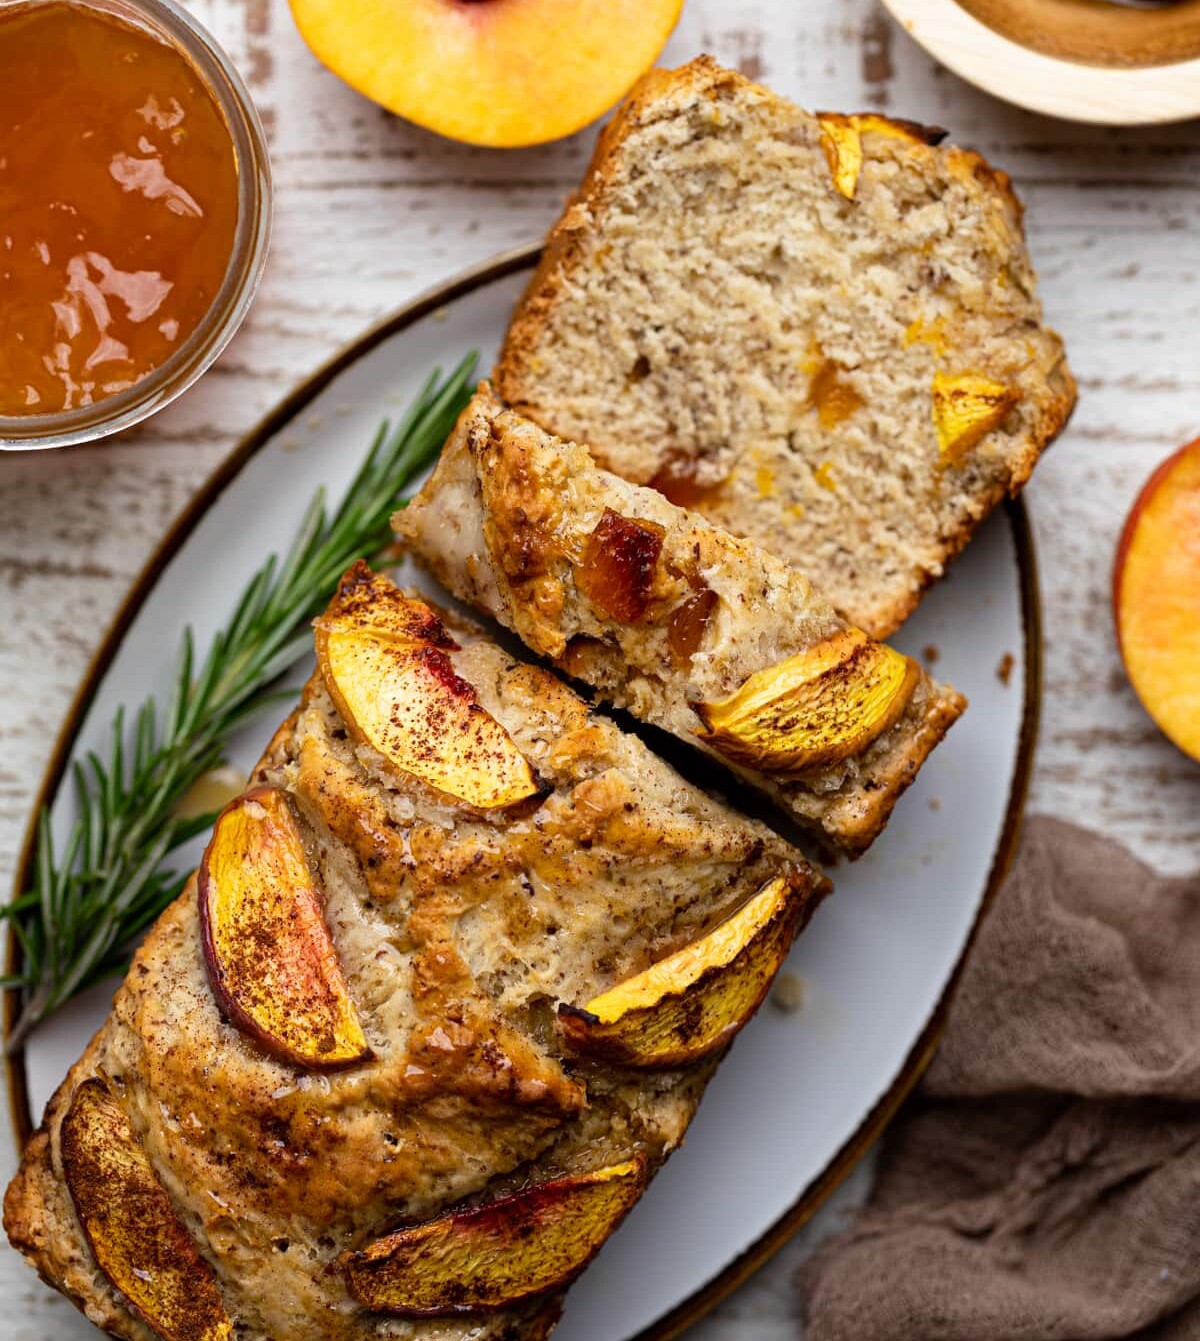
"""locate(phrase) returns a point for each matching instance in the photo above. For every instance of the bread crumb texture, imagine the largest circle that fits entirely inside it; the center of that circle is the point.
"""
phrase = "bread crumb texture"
(752, 306)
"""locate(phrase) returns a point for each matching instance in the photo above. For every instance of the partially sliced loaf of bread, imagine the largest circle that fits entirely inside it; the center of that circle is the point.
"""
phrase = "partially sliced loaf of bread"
(463, 936)
(704, 635)
(820, 331)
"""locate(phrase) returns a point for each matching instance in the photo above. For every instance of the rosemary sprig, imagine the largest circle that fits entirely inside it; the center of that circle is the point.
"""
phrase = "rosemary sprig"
(92, 898)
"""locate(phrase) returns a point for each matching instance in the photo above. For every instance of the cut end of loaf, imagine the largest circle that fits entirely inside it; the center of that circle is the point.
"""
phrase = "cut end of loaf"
(749, 306)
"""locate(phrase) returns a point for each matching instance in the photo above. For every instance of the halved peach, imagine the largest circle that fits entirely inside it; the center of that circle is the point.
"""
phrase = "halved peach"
(966, 407)
(387, 670)
(1156, 597)
(817, 708)
(481, 1258)
(617, 568)
(271, 959)
(692, 1003)
(494, 72)
(130, 1225)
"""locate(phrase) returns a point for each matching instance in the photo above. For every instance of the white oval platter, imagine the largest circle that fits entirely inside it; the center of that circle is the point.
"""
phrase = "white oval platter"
(803, 1093)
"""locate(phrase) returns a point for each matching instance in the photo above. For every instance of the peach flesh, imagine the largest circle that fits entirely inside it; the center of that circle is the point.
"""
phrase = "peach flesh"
(503, 73)
(1156, 597)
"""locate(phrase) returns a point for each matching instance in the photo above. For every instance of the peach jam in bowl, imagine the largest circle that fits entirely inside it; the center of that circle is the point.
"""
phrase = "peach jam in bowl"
(135, 207)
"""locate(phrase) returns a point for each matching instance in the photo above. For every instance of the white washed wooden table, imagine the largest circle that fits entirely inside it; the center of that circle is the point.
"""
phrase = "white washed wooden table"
(370, 211)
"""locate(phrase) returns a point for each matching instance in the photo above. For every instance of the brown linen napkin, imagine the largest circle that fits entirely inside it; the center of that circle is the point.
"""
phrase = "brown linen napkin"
(1044, 1184)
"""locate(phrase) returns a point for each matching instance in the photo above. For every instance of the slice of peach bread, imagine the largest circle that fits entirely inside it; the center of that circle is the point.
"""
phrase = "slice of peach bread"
(704, 635)
(821, 331)
(446, 991)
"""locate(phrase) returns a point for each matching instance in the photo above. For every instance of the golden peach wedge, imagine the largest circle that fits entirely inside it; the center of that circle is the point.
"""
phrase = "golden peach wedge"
(815, 709)
(271, 960)
(841, 138)
(494, 72)
(617, 568)
(1156, 596)
(397, 692)
(130, 1225)
(367, 603)
(965, 409)
(481, 1258)
(692, 1003)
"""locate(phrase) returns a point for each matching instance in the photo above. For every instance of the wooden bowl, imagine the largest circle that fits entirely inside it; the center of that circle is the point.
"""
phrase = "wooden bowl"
(1084, 60)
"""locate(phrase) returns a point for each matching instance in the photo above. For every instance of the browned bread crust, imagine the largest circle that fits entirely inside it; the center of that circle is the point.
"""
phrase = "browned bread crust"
(710, 305)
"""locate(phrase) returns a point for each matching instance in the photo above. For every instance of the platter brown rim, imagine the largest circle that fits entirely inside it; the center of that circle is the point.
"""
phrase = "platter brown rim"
(751, 1259)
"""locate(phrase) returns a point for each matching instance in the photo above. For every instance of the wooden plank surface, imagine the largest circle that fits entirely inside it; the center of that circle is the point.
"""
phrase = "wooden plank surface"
(371, 210)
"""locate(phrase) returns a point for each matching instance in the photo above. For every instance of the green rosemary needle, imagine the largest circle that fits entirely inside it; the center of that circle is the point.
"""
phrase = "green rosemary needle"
(93, 897)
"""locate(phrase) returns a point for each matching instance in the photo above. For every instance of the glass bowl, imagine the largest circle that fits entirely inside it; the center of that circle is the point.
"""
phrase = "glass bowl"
(172, 24)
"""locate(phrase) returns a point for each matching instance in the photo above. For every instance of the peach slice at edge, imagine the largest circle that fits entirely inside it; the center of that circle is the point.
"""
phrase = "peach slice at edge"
(271, 958)
(693, 1002)
(814, 709)
(504, 73)
(485, 1257)
(130, 1225)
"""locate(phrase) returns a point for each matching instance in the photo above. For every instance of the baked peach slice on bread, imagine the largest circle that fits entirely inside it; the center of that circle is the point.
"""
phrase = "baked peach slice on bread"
(383, 657)
(1156, 595)
(485, 1257)
(130, 1225)
(271, 959)
(693, 1002)
(814, 709)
